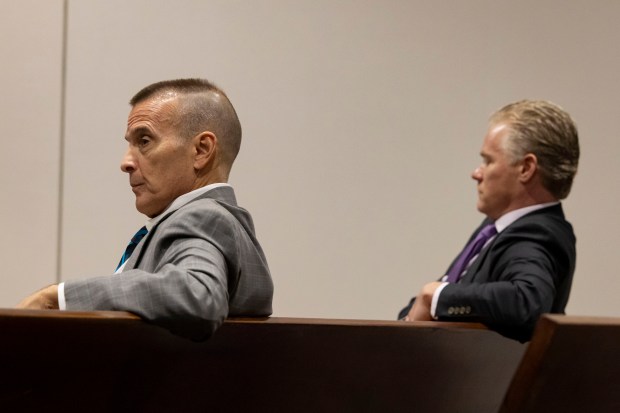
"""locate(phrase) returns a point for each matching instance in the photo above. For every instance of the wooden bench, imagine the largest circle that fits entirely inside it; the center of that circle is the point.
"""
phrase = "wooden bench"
(572, 365)
(111, 361)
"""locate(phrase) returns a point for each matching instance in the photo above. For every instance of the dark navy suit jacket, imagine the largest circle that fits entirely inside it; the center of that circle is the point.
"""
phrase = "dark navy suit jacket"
(526, 271)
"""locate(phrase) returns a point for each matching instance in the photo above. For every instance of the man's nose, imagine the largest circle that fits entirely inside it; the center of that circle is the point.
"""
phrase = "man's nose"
(476, 174)
(128, 163)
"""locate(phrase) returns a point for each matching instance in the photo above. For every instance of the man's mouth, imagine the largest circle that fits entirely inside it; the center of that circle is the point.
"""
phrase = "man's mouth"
(135, 187)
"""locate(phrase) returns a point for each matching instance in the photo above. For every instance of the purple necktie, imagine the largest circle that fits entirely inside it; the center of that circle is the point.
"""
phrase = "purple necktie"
(470, 251)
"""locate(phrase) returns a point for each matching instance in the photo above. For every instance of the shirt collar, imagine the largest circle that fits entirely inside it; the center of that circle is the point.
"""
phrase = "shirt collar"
(510, 217)
(182, 200)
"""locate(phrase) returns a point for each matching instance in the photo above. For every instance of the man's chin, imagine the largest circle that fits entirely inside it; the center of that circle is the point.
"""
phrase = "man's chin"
(142, 206)
(148, 209)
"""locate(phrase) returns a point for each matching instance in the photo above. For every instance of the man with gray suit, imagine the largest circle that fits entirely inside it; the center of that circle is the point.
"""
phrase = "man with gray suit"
(197, 260)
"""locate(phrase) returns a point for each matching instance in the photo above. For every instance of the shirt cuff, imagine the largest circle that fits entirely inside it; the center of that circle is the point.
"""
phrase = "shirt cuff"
(436, 299)
(62, 304)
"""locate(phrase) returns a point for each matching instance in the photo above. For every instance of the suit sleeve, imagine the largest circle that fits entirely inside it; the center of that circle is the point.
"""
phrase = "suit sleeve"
(404, 311)
(186, 291)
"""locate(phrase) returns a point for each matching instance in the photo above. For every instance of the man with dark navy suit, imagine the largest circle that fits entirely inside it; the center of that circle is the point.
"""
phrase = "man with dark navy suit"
(520, 262)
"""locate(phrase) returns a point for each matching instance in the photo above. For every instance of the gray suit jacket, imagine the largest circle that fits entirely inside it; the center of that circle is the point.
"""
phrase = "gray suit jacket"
(197, 265)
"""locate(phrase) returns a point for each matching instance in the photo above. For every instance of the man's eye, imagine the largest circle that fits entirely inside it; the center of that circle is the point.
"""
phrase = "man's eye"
(143, 141)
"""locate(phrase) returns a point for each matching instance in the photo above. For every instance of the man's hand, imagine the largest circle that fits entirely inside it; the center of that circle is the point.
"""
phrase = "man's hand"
(44, 299)
(421, 310)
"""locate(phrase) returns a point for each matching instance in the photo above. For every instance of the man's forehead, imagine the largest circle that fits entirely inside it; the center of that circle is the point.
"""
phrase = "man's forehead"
(497, 132)
(493, 140)
(498, 128)
(156, 109)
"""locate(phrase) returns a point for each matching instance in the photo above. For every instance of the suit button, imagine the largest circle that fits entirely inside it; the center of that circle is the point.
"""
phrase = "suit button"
(467, 310)
(451, 310)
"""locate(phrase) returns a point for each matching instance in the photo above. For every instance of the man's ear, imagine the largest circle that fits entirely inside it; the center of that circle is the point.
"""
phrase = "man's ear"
(529, 167)
(205, 146)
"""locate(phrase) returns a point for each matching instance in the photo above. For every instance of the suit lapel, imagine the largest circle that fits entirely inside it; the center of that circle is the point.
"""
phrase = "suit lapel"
(473, 270)
(223, 193)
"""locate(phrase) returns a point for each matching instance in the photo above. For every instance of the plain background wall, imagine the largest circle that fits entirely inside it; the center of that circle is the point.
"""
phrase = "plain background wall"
(362, 123)
(30, 106)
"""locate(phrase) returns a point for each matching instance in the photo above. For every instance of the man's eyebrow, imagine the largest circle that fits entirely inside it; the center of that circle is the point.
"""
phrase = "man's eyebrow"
(138, 131)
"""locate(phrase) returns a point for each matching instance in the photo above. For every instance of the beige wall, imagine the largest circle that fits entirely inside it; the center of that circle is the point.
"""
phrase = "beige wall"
(30, 110)
(362, 121)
